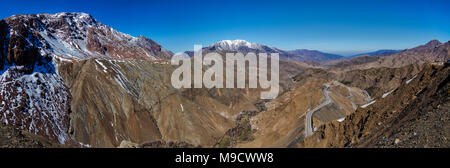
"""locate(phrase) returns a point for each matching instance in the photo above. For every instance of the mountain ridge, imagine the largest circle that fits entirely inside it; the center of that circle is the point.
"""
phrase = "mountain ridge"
(78, 35)
(382, 52)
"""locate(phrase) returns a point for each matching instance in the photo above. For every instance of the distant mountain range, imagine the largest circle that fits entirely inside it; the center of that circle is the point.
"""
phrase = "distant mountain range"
(378, 53)
(301, 55)
(432, 51)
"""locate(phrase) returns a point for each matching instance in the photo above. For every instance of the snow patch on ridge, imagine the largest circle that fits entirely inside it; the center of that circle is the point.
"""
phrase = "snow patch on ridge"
(341, 119)
(368, 104)
(386, 94)
(407, 82)
(101, 64)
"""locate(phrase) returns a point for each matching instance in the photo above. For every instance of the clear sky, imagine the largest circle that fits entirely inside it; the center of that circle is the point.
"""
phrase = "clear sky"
(342, 27)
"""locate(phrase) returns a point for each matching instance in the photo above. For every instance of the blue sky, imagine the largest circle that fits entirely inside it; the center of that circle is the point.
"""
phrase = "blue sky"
(343, 27)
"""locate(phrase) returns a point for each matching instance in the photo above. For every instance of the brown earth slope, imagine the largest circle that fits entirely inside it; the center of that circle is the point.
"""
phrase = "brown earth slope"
(283, 123)
(14, 138)
(377, 81)
(135, 101)
(421, 103)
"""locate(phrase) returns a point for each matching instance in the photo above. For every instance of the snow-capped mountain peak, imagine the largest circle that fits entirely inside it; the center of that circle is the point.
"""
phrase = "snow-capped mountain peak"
(78, 17)
(235, 45)
(245, 47)
(75, 35)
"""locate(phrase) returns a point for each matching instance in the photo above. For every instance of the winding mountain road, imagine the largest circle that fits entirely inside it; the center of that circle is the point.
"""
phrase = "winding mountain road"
(308, 123)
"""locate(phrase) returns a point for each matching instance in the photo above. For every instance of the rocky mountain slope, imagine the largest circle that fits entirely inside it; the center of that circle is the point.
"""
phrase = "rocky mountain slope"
(35, 97)
(420, 103)
(11, 137)
(135, 101)
(378, 74)
(282, 124)
(377, 82)
(79, 35)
